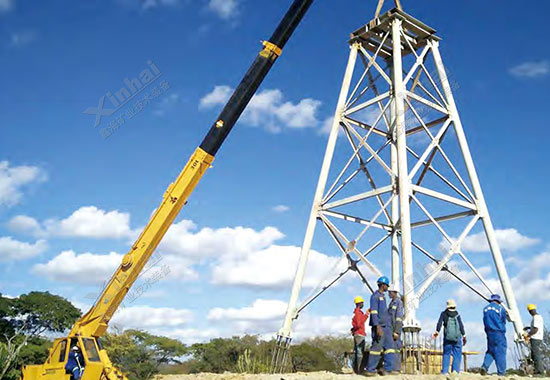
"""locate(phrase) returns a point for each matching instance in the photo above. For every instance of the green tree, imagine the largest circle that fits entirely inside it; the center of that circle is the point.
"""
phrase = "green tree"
(40, 312)
(140, 354)
(252, 355)
(308, 358)
(22, 322)
(546, 348)
(333, 347)
(6, 313)
(220, 355)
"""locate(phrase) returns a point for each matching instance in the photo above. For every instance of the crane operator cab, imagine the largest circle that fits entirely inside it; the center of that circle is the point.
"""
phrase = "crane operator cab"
(75, 358)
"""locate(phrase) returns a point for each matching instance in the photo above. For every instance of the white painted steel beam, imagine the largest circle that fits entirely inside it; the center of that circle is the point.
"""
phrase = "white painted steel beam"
(300, 271)
(400, 92)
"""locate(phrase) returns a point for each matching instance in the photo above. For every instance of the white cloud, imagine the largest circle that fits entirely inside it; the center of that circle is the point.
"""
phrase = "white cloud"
(11, 250)
(273, 267)
(265, 317)
(269, 110)
(299, 115)
(465, 295)
(225, 9)
(533, 280)
(190, 335)
(25, 224)
(146, 317)
(167, 103)
(88, 222)
(86, 268)
(536, 289)
(309, 326)
(327, 126)
(91, 268)
(6, 5)
(466, 274)
(508, 239)
(181, 240)
(220, 95)
(260, 310)
(281, 208)
(92, 222)
(12, 179)
(179, 268)
(531, 283)
(531, 69)
(182, 248)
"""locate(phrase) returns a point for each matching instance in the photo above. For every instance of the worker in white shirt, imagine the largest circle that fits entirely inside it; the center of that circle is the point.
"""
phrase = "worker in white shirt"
(535, 334)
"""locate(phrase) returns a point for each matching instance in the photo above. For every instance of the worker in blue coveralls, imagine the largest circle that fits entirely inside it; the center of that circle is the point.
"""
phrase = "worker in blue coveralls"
(382, 335)
(75, 364)
(494, 320)
(396, 319)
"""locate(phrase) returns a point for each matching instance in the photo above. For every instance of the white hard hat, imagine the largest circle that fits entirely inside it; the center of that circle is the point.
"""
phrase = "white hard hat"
(451, 304)
(75, 348)
(393, 288)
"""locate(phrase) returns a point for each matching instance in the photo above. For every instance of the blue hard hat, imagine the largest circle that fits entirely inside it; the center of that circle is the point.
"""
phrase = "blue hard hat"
(383, 280)
(495, 297)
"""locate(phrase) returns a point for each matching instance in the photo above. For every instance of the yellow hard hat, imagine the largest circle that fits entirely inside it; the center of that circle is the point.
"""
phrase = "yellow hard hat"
(358, 299)
(531, 307)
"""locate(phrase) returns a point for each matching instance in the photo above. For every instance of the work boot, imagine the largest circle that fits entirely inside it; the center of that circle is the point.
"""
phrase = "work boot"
(483, 371)
(370, 374)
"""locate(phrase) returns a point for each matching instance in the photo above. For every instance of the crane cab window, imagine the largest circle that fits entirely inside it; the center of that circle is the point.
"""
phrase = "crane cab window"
(62, 351)
(91, 349)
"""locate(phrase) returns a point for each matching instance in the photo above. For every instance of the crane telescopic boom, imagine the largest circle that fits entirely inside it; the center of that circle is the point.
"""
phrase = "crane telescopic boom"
(95, 322)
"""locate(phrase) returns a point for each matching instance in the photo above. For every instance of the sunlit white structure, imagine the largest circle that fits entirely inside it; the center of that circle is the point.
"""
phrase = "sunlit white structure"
(403, 175)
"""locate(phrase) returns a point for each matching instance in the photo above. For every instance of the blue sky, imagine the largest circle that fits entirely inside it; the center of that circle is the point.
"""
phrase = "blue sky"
(71, 201)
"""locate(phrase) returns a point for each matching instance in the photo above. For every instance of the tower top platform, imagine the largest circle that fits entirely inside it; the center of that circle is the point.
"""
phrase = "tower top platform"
(372, 34)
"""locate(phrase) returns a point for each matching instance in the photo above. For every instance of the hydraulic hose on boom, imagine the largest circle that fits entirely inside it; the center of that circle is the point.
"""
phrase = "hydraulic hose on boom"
(95, 322)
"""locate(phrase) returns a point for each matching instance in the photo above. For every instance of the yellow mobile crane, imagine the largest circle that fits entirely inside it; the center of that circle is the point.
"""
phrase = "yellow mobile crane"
(87, 331)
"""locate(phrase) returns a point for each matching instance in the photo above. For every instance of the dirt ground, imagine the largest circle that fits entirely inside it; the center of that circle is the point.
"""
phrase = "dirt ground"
(331, 376)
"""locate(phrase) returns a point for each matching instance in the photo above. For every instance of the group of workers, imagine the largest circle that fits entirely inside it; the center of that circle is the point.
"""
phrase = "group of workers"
(386, 324)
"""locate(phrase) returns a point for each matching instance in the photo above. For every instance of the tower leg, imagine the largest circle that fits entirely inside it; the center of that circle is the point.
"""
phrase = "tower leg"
(476, 187)
(404, 183)
(284, 335)
(395, 259)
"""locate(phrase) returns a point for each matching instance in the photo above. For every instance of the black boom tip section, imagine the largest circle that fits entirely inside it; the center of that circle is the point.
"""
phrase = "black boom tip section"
(254, 77)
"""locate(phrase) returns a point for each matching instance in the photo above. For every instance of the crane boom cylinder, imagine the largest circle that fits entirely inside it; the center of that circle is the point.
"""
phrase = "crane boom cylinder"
(254, 77)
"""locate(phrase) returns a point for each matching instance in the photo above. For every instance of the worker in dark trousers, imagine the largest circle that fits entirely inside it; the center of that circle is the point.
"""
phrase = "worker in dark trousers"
(359, 333)
(382, 334)
(75, 364)
(396, 319)
(535, 336)
(494, 321)
(454, 337)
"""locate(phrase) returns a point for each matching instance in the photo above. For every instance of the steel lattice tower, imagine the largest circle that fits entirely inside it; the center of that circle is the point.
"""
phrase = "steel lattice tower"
(398, 117)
